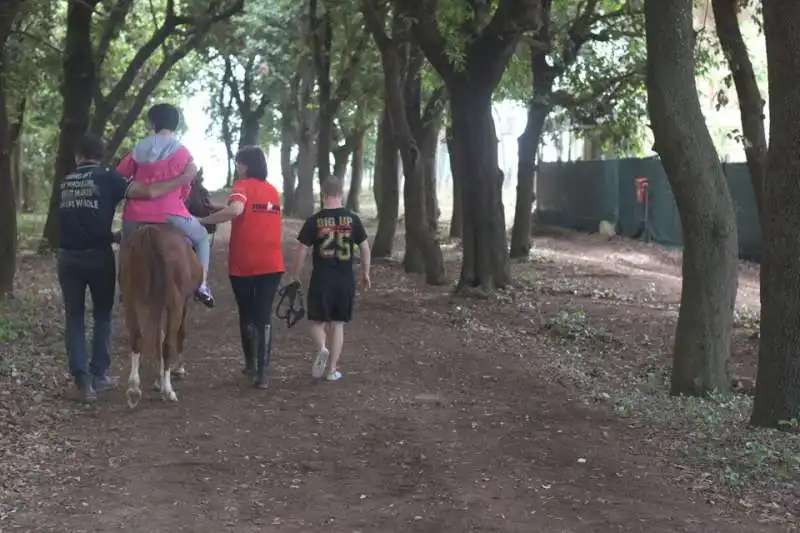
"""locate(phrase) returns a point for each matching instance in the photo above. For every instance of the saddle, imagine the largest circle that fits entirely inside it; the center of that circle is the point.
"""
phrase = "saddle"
(294, 310)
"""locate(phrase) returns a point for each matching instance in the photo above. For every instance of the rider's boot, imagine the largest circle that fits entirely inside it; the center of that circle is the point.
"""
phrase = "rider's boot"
(262, 381)
(249, 343)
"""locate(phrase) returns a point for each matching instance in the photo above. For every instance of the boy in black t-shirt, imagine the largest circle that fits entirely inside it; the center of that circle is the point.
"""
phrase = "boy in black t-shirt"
(88, 199)
(333, 234)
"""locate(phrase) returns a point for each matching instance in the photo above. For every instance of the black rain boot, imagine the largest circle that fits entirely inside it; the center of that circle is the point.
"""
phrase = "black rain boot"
(249, 341)
(262, 381)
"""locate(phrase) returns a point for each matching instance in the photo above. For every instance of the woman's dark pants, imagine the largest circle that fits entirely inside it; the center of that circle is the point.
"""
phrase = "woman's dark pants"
(254, 298)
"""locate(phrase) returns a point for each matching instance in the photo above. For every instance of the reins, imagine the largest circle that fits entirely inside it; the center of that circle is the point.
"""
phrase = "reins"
(294, 310)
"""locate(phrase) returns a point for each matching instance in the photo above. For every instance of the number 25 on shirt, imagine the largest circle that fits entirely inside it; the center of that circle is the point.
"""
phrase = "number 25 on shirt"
(336, 244)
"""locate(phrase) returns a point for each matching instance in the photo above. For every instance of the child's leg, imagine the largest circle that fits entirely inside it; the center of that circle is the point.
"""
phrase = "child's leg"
(337, 341)
(341, 312)
(202, 245)
(321, 359)
(318, 335)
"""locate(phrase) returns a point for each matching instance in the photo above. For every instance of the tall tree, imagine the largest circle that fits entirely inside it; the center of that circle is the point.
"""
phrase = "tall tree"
(387, 184)
(402, 68)
(552, 57)
(356, 171)
(710, 252)
(751, 103)
(330, 97)
(491, 38)
(778, 381)
(81, 83)
(8, 211)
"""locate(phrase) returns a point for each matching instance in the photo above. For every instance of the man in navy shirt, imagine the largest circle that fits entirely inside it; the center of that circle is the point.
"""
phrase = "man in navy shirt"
(88, 200)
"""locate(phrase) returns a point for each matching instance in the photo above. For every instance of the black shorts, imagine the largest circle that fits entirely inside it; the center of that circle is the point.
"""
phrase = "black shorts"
(331, 302)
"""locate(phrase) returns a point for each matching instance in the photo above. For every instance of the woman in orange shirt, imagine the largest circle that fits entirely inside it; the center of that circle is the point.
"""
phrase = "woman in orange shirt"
(255, 256)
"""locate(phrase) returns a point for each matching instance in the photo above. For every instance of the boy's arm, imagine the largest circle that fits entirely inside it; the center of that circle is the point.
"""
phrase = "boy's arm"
(366, 252)
(298, 258)
(305, 240)
(138, 189)
(366, 258)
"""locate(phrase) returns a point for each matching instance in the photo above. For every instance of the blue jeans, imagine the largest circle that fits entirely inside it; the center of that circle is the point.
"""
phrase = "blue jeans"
(195, 231)
(96, 270)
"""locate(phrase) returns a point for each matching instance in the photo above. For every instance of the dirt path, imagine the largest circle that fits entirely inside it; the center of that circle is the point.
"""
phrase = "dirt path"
(431, 431)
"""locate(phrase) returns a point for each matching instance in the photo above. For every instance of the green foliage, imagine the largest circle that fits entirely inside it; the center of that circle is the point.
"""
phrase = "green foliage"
(34, 74)
(599, 59)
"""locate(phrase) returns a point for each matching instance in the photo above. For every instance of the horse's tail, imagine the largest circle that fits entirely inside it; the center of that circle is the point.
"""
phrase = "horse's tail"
(149, 276)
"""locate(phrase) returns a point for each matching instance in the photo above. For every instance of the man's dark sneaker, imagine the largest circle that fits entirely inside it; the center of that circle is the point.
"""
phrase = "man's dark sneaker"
(204, 296)
(87, 394)
(105, 383)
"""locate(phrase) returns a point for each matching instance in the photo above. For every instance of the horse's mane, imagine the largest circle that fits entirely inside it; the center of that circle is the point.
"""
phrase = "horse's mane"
(199, 200)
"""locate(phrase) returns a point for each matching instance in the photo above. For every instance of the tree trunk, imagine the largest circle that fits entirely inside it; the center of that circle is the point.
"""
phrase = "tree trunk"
(322, 43)
(387, 173)
(227, 135)
(78, 76)
(457, 216)
(340, 157)
(376, 182)
(356, 172)
(402, 67)
(250, 130)
(528, 146)
(8, 211)
(288, 139)
(15, 157)
(430, 151)
(543, 77)
(485, 264)
(778, 381)
(304, 194)
(710, 252)
(18, 177)
(751, 104)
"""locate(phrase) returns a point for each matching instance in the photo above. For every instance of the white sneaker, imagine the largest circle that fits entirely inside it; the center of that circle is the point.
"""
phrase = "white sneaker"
(334, 376)
(320, 364)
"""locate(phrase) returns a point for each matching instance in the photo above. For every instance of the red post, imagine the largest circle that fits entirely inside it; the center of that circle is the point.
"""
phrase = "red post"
(641, 189)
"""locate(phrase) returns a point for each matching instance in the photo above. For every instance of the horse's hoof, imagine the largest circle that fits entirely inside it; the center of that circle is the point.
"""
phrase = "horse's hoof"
(157, 386)
(179, 374)
(134, 395)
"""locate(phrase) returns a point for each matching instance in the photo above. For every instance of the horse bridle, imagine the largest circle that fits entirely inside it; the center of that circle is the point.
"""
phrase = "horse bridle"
(295, 311)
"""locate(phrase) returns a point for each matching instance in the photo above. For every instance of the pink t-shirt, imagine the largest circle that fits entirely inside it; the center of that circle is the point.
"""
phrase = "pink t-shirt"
(156, 158)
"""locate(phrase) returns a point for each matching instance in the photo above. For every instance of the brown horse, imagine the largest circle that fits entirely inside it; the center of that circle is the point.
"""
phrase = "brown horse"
(159, 275)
